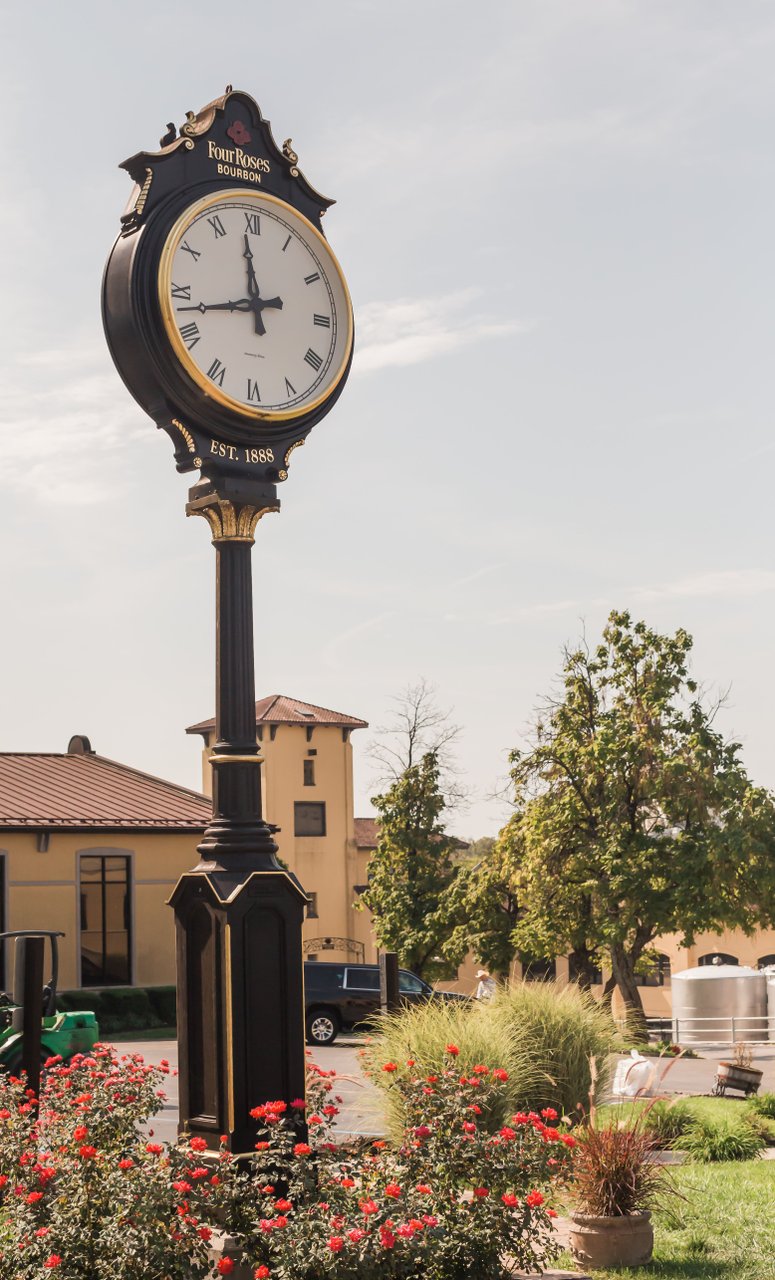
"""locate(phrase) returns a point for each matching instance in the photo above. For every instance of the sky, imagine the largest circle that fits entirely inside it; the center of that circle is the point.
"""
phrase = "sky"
(555, 218)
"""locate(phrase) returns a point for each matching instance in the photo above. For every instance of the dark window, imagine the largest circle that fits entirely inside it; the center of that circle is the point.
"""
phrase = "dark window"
(656, 975)
(309, 819)
(324, 977)
(718, 957)
(312, 906)
(410, 983)
(764, 962)
(362, 979)
(309, 773)
(2, 922)
(540, 970)
(576, 972)
(105, 920)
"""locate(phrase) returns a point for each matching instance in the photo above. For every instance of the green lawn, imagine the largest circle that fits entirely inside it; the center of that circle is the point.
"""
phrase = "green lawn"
(703, 1107)
(723, 1228)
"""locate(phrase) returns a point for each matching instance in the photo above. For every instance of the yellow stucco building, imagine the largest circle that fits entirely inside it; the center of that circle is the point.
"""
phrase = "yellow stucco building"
(95, 848)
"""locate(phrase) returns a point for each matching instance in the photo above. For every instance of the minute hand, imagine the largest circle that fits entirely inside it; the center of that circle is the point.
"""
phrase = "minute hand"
(243, 304)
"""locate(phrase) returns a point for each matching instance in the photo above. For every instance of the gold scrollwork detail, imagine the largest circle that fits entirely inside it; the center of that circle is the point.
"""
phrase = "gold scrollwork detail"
(229, 523)
(143, 196)
(291, 156)
(186, 434)
(296, 445)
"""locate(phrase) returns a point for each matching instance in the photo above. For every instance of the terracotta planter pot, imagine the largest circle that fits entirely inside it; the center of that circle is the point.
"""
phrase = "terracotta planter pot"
(612, 1242)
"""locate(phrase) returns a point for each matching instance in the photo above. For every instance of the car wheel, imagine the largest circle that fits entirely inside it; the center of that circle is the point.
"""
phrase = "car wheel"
(322, 1027)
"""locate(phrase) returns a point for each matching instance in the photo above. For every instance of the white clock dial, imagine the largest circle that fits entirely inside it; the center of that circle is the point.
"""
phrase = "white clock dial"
(255, 305)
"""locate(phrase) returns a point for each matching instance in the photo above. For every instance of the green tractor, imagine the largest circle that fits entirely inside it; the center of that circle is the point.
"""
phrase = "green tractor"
(63, 1034)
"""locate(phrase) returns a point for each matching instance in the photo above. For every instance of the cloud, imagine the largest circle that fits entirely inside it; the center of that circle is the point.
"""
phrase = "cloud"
(66, 420)
(412, 330)
(720, 582)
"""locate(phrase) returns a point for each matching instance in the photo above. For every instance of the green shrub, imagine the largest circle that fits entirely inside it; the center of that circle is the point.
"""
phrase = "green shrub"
(543, 1035)
(124, 1008)
(709, 1141)
(164, 1005)
(666, 1121)
(764, 1105)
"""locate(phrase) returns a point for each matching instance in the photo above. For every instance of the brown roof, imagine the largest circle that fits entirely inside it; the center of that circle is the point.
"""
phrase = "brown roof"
(366, 832)
(277, 709)
(88, 792)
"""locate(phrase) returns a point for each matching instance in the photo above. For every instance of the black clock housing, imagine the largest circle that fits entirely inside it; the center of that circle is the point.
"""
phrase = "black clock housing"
(227, 145)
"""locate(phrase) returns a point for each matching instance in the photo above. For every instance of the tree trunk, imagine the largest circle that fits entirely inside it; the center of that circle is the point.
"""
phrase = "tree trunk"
(623, 972)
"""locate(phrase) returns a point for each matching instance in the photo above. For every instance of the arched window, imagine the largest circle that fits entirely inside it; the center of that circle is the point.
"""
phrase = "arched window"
(541, 970)
(657, 975)
(765, 962)
(718, 957)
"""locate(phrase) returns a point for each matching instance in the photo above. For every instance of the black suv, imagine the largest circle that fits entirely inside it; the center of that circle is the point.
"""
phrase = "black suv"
(340, 996)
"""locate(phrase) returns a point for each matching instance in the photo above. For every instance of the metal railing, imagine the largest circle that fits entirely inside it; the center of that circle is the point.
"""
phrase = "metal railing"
(728, 1029)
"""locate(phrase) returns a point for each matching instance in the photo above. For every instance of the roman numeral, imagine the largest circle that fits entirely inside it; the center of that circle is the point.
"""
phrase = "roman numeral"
(323, 321)
(182, 291)
(314, 359)
(217, 226)
(253, 224)
(195, 253)
(311, 279)
(253, 392)
(288, 241)
(289, 388)
(216, 371)
(190, 334)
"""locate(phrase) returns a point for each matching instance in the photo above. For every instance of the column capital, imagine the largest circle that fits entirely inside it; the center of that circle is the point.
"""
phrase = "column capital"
(231, 510)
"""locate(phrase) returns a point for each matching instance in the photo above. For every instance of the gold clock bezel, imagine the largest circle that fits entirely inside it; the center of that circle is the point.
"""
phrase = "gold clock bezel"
(164, 282)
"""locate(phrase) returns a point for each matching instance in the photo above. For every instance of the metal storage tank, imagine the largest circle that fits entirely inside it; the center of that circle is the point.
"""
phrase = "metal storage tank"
(769, 973)
(716, 1004)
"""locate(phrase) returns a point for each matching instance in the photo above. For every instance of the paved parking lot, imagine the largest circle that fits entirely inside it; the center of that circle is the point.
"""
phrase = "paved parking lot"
(361, 1111)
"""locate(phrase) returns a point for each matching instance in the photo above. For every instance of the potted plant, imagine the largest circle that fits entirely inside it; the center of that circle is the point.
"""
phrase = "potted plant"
(616, 1183)
(738, 1074)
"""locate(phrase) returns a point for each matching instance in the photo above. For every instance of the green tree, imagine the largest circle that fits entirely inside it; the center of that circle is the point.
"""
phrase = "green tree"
(411, 874)
(482, 903)
(634, 817)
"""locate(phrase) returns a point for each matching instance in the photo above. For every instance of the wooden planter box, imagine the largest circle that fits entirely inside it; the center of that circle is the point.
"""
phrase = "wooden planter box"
(730, 1076)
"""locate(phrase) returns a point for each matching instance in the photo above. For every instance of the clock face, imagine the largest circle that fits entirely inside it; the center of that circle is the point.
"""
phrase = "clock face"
(255, 305)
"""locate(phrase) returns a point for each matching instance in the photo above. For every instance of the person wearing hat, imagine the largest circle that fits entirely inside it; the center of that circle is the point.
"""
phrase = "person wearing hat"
(486, 988)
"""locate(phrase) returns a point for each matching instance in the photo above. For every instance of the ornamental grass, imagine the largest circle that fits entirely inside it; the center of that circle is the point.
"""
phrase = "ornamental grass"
(545, 1035)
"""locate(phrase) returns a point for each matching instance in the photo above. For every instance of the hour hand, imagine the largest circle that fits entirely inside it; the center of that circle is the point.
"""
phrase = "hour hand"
(253, 289)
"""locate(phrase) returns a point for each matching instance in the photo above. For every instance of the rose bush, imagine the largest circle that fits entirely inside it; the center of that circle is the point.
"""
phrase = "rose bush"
(83, 1196)
(446, 1203)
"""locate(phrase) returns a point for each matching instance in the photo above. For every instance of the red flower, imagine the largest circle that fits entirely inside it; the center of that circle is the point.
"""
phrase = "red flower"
(155, 1149)
(205, 1234)
(422, 1131)
(386, 1238)
(509, 1199)
(88, 1153)
(393, 1190)
(500, 1074)
(196, 1144)
(302, 1149)
(453, 1049)
(481, 1070)
(423, 1189)
(298, 1104)
(549, 1113)
(368, 1206)
(336, 1244)
(34, 1196)
(481, 1192)
(390, 1066)
(261, 1273)
(126, 1163)
(282, 1206)
(356, 1234)
(534, 1198)
(53, 1260)
(80, 1133)
(469, 1126)
(568, 1139)
(225, 1267)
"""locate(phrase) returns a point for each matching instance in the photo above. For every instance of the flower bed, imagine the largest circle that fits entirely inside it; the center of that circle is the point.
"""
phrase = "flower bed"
(85, 1198)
